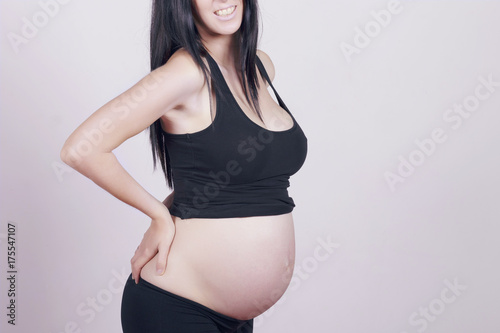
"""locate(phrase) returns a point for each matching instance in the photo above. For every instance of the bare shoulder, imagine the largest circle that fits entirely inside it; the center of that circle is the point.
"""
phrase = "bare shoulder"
(267, 62)
(182, 68)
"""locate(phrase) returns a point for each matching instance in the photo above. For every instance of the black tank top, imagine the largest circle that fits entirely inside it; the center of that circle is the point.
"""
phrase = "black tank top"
(234, 167)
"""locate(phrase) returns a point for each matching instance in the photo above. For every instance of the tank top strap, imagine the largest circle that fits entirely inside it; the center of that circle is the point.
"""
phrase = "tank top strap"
(220, 86)
(262, 70)
(214, 68)
(224, 90)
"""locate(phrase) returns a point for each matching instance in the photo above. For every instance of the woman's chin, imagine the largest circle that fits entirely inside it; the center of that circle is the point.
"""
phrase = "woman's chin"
(226, 29)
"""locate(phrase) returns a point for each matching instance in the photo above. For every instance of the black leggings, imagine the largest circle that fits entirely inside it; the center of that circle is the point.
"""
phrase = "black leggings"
(147, 308)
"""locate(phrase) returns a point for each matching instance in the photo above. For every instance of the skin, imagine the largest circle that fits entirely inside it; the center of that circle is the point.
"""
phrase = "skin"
(177, 94)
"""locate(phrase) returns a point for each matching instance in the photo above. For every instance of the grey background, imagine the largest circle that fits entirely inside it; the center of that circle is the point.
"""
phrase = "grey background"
(397, 249)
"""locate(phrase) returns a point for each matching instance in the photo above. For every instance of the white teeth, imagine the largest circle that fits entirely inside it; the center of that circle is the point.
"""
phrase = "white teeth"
(225, 12)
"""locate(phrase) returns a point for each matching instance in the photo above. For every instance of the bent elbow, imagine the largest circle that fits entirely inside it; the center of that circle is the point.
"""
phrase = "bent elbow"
(65, 155)
(70, 156)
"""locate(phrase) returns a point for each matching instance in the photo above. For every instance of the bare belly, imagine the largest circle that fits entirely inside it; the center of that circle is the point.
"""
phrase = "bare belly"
(239, 267)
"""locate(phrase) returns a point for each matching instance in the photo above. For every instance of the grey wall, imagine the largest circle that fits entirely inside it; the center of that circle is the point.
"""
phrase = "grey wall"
(397, 204)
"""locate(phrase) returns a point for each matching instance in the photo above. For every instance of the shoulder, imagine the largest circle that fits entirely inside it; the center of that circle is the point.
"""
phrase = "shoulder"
(173, 84)
(182, 69)
(267, 62)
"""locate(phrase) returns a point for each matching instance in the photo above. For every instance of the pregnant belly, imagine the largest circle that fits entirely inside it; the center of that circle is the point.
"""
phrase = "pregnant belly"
(239, 267)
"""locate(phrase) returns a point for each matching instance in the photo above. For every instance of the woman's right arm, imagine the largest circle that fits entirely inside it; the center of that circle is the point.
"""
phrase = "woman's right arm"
(89, 148)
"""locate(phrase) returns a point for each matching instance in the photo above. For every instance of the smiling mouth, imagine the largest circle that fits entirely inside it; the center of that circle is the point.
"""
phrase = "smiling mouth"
(225, 12)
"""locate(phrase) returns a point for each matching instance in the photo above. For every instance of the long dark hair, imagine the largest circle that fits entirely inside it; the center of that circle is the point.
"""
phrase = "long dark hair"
(173, 27)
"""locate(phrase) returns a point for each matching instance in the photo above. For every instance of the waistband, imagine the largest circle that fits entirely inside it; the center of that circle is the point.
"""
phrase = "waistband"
(229, 320)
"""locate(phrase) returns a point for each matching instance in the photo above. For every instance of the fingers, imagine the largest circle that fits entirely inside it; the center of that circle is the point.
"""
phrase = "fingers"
(161, 261)
(140, 258)
(157, 239)
(163, 252)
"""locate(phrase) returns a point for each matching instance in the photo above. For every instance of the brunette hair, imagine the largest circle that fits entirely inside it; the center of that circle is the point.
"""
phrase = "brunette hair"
(173, 27)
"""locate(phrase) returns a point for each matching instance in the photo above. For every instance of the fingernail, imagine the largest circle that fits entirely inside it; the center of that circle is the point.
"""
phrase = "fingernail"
(159, 271)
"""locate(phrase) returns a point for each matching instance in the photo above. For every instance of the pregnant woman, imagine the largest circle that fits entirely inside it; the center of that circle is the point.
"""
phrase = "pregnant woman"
(220, 249)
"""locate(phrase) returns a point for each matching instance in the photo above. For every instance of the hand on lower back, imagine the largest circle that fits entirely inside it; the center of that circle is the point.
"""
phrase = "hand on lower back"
(157, 239)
